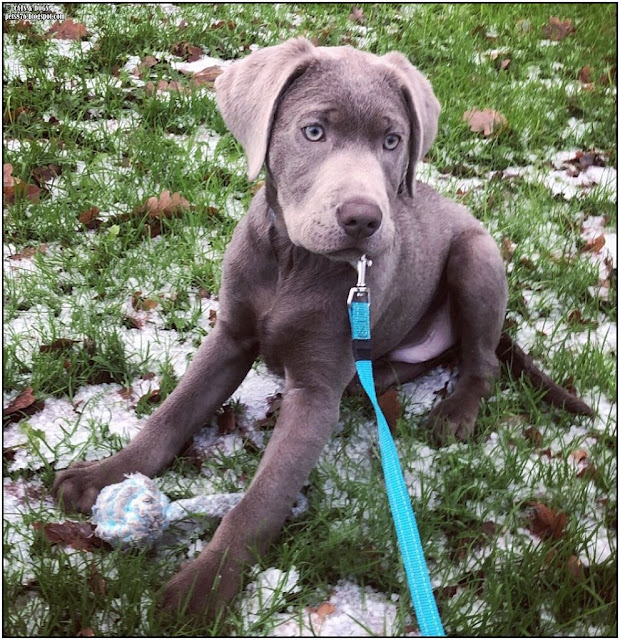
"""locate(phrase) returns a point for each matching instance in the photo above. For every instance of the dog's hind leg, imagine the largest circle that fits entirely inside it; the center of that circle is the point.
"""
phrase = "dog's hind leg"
(478, 293)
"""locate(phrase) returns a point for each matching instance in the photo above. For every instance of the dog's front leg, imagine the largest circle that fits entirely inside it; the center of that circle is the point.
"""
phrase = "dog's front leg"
(219, 367)
(307, 418)
(478, 292)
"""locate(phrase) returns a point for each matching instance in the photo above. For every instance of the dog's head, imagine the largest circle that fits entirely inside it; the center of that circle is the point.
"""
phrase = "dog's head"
(341, 132)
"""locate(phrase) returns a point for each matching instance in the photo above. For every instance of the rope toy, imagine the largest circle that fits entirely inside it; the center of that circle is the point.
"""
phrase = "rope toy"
(134, 513)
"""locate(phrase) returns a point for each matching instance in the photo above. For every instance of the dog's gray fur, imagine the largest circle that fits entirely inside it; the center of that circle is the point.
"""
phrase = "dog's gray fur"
(287, 273)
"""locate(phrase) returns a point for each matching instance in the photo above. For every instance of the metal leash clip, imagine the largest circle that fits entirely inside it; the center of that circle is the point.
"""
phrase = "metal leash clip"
(360, 292)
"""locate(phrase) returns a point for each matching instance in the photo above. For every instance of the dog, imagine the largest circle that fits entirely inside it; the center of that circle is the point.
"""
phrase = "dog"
(340, 133)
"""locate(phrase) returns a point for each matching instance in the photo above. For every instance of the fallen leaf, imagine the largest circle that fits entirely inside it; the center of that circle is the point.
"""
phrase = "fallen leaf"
(212, 317)
(164, 206)
(218, 24)
(90, 218)
(46, 173)
(578, 455)
(187, 51)
(589, 472)
(126, 393)
(534, 436)
(226, 420)
(206, 76)
(96, 582)
(325, 609)
(557, 29)
(357, 15)
(594, 244)
(144, 65)
(545, 522)
(78, 535)
(7, 175)
(504, 64)
(67, 30)
(58, 345)
(11, 116)
(24, 405)
(29, 252)
(585, 75)
(132, 323)
(152, 397)
(575, 568)
(485, 121)
(164, 85)
(274, 403)
(391, 407)
(507, 248)
(20, 190)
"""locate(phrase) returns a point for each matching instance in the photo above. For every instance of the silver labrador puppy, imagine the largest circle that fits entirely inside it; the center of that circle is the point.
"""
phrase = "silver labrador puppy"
(340, 133)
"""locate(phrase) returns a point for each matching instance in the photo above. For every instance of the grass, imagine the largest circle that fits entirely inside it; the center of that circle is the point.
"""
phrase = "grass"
(474, 501)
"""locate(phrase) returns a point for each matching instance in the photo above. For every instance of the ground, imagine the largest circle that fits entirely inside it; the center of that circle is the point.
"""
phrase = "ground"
(121, 190)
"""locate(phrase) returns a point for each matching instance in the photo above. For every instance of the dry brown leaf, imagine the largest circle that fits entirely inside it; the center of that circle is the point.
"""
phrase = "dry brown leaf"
(144, 65)
(24, 401)
(325, 609)
(164, 85)
(187, 51)
(206, 76)
(585, 75)
(67, 30)
(218, 24)
(46, 173)
(132, 323)
(504, 64)
(578, 455)
(79, 535)
(391, 407)
(507, 248)
(357, 15)
(575, 568)
(165, 205)
(58, 345)
(212, 317)
(96, 582)
(18, 189)
(29, 252)
(126, 393)
(594, 244)
(557, 29)
(7, 175)
(226, 420)
(485, 121)
(534, 436)
(90, 218)
(545, 522)
(152, 397)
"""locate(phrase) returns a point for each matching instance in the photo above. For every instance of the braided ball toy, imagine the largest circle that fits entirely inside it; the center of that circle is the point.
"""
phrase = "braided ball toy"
(135, 512)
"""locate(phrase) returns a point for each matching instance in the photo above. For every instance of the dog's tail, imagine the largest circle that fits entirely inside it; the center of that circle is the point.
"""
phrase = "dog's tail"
(519, 362)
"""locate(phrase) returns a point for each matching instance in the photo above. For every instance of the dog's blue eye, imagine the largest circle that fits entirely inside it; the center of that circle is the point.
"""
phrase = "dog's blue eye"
(314, 132)
(391, 141)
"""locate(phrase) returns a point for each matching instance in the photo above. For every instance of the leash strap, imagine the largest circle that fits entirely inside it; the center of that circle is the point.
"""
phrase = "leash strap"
(404, 519)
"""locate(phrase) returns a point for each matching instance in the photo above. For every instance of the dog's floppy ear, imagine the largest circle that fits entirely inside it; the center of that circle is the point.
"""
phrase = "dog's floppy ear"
(247, 94)
(424, 110)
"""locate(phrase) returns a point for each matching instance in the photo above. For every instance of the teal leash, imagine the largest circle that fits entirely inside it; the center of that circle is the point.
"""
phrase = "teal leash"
(405, 523)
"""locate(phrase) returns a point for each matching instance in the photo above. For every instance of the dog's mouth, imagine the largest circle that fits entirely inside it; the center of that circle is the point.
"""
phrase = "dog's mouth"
(345, 255)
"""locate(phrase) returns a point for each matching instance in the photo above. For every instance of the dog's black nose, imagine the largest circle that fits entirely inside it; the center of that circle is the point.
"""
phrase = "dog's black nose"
(359, 218)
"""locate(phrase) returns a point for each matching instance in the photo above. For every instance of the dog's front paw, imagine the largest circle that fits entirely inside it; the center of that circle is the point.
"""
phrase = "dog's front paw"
(453, 419)
(77, 488)
(203, 588)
